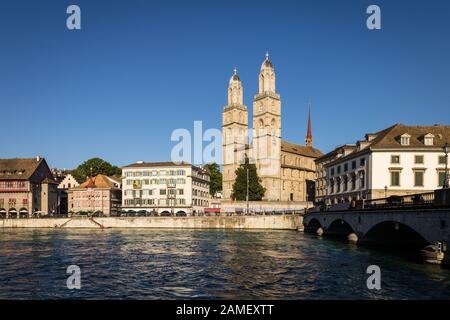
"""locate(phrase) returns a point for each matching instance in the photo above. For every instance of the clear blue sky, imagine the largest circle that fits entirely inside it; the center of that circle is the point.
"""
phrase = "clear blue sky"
(139, 69)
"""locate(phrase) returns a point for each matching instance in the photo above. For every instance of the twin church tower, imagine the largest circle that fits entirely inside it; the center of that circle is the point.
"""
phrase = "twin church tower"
(287, 170)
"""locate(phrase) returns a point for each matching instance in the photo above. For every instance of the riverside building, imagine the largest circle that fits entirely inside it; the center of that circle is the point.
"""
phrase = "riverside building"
(165, 188)
(27, 186)
(99, 194)
(398, 160)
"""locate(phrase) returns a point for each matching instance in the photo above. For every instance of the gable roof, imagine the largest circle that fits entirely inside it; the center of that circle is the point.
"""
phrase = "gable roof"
(389, 138)
(19, 168)
(300, 150)
(99, 181)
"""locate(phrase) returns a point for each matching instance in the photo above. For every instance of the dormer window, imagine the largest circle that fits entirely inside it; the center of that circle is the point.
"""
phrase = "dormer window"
(428, 139)
(405, 139)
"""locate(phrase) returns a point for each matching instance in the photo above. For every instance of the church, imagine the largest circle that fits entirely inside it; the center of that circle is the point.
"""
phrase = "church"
(287, 170)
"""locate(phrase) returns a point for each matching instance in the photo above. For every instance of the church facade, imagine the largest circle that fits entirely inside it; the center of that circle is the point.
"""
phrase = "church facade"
(287, 170)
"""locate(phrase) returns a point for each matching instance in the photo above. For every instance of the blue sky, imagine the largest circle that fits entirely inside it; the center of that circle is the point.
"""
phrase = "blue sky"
(140, 69)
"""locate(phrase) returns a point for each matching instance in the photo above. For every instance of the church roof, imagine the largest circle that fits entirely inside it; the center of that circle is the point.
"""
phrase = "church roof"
(300, 150)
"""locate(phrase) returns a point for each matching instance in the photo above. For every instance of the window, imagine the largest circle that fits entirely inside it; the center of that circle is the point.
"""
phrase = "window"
(418, 178)
(428, 139)
(353, 181)
(362, 162)
(404, 139)
(353, 165)
(345, 167)
(339, 169)
(362, 179)
(395, 159)
(442, 160)
(395, 178)
(162, 192)
(332, 172)
(441, 178)
(418, 159)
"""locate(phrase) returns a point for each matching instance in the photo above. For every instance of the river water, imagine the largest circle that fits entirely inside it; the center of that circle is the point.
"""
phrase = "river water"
(204, 264)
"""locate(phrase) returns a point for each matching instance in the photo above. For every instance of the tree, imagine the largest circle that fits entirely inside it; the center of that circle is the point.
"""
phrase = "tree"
(93, 167)
(255, 190)
(216, 178)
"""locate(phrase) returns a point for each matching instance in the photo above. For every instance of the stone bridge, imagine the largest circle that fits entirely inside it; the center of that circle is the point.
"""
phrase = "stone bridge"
(413, 227)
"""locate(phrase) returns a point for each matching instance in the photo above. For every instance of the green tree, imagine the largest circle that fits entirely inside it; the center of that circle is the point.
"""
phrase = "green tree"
(255, 190)
(93, 167)
(216, 178)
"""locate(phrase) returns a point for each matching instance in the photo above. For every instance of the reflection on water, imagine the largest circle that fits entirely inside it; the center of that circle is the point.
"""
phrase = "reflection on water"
(204, 264)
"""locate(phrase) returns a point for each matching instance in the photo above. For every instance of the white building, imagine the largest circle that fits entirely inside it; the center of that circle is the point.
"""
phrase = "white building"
(399, 160)
(166, 188)
(68, 182)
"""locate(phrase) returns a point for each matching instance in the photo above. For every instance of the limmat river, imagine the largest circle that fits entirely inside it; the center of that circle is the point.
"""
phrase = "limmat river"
(204, 264)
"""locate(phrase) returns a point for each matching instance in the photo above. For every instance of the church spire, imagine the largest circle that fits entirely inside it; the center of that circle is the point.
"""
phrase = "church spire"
(235, 90)
(309, 139)
(267, 76)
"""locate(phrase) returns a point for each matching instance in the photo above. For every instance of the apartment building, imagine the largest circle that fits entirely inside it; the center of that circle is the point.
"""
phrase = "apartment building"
(165, 188)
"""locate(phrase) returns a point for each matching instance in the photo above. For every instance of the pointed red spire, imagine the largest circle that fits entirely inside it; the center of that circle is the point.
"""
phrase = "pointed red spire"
(309, 134)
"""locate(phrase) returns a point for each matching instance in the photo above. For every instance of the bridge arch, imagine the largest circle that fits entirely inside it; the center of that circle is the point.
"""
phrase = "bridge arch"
(394, 234)
(339, 228)
(313, 225)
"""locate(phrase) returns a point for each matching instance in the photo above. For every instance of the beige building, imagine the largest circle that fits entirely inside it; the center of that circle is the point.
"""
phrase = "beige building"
(287, 170)
(165, 188)
(399, 160)
(99, 194)
(27, 187)
(321, 172)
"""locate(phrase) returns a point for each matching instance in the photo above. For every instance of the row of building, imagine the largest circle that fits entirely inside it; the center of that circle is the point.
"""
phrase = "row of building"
(28, 187)
(398, 160)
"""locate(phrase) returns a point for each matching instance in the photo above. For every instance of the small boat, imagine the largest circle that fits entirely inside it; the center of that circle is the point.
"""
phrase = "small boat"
(432, 254)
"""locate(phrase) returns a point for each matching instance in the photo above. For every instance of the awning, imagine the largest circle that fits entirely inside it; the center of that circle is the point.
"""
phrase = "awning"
(212, 210)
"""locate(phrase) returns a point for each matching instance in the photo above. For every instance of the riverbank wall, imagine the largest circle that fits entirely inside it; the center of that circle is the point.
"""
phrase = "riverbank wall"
(273, 222)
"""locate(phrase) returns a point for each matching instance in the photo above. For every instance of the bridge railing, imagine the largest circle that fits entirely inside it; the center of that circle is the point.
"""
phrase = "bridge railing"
(411, 200)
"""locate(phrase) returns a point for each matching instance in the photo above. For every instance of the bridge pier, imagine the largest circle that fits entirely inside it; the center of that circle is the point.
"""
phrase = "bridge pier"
(319, 231)
(352, 238)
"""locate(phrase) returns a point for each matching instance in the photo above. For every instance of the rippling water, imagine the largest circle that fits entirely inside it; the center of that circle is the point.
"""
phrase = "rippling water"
(204, 264)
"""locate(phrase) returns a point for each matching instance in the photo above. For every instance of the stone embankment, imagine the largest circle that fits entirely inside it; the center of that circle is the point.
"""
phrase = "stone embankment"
(274, 222)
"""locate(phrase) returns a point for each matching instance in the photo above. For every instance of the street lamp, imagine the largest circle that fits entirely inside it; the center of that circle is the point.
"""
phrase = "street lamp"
(246, 198)
(446, 152)
(385, 191)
